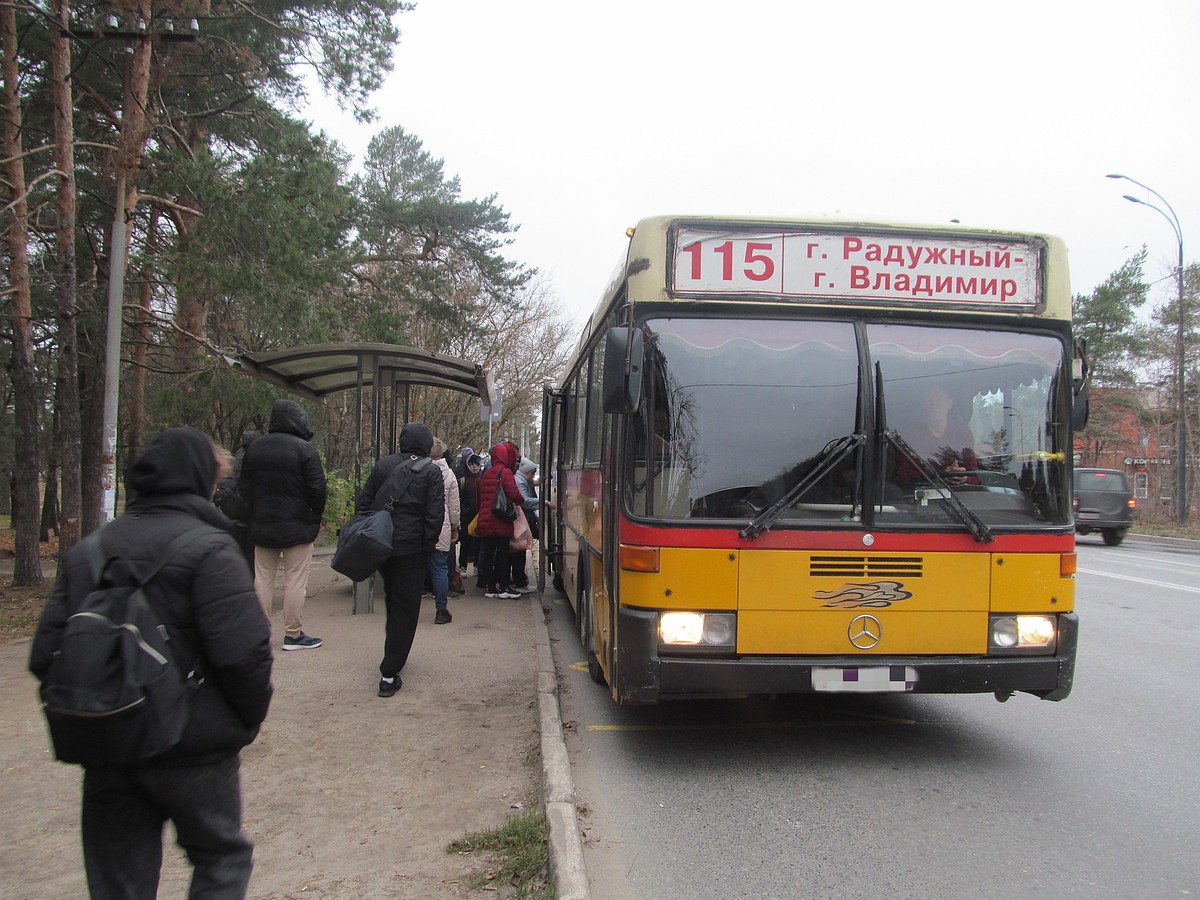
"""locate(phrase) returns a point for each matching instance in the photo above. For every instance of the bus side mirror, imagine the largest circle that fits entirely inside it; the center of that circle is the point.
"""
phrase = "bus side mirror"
(1079, 386)
(623, 370)
(1079, 410)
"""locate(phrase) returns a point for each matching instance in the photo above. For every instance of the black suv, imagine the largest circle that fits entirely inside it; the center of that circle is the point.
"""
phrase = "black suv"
(1104, 503)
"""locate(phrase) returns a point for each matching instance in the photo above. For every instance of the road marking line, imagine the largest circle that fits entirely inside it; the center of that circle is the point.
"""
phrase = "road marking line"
(1166, 584)
(758, 726)
(1160, 562)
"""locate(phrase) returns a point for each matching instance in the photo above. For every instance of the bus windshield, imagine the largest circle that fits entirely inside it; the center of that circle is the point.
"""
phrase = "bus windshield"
(824, 423)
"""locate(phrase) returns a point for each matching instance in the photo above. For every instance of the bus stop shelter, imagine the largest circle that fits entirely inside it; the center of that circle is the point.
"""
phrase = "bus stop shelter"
(390, 371)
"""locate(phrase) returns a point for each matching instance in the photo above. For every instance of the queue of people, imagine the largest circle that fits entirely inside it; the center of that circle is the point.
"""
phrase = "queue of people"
(260, 511)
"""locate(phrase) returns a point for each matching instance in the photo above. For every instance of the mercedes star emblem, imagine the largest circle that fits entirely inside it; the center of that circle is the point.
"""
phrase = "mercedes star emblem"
(865, 632)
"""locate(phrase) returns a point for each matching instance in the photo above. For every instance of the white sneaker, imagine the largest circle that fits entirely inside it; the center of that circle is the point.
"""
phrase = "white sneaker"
(492, 594)
(505, 595)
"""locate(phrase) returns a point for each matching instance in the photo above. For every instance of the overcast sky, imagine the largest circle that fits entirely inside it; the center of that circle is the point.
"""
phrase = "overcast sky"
(584, 117)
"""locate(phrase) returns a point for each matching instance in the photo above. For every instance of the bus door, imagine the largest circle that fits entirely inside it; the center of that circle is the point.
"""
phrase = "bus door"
(550, 555)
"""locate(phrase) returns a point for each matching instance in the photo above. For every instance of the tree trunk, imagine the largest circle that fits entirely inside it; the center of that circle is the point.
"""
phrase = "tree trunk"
(69, 430)
(27, 566)
(50, 517)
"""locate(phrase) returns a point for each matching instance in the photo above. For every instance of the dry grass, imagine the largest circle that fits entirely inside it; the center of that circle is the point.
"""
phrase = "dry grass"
(21, 606)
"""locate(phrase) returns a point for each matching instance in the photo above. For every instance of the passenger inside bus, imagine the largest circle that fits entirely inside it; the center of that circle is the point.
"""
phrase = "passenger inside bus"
(940, 437)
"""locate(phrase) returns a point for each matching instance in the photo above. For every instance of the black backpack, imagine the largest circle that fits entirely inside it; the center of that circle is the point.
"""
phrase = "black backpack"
(114, 693)
(227, 500)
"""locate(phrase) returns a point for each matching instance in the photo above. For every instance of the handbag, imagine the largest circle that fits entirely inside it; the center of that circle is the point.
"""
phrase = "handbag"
(473, 525)
(364, 544)
(365, 540)
(522, 537)
(502, 507)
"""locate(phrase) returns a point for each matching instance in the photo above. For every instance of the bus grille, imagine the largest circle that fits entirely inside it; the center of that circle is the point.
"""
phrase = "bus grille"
(865, 566)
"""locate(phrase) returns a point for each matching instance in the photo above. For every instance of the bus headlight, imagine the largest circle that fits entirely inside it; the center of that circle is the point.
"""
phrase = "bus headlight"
(715, 631)
(1022, 634)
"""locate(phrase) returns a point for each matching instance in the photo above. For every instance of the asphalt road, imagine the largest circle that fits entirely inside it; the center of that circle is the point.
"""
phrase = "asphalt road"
(915, 796)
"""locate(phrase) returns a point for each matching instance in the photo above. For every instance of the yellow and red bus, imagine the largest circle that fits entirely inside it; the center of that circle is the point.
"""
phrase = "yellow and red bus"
(746, 492)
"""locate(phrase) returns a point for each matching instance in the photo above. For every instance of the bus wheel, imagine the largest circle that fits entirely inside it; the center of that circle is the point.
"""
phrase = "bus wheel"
(594, 671)
(587, 636)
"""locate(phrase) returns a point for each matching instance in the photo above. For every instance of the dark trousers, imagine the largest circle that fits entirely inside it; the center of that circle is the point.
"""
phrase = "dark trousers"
(241, 532)
(468, 550)
(124, 810)
(518, 559)
(403, 581)
(493, 563)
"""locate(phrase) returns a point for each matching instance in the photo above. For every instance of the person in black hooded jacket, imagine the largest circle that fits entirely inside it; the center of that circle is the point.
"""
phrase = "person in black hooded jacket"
(417, 516)
(206, 598)
(282, 488)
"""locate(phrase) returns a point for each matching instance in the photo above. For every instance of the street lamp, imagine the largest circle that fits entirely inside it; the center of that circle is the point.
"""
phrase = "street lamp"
(1181, 503)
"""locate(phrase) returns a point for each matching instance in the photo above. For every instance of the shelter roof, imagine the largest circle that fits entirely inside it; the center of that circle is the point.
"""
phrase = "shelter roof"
(315, 370)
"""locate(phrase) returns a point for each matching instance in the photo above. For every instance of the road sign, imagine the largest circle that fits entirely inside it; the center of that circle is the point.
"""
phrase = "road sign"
(492, 413)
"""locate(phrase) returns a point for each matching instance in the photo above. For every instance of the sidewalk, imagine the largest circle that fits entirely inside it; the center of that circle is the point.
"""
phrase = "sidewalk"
(346, 794)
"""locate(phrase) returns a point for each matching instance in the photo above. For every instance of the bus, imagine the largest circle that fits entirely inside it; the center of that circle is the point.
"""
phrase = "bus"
(747, 494)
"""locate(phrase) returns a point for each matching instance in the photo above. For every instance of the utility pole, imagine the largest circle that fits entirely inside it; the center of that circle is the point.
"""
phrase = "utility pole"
(139, 39)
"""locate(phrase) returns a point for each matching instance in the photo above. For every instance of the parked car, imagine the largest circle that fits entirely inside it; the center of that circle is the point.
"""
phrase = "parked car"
(1103, 503)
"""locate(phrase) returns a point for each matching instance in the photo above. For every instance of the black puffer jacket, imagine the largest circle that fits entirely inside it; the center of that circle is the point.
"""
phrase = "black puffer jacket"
(281, 483)
(418, 513)
(205, 594)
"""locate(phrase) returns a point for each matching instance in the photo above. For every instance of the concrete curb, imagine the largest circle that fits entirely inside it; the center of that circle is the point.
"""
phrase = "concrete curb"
(558, 789)
(1182, 543)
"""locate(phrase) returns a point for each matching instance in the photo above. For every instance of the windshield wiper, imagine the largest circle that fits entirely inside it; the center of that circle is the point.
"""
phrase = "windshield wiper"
(978, 528)
(835, 451)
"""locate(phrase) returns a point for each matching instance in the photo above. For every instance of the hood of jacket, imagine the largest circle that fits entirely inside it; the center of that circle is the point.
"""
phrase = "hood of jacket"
(505, 455)
(289, 417)
(416, 438)
(178, 461)
(527, 467)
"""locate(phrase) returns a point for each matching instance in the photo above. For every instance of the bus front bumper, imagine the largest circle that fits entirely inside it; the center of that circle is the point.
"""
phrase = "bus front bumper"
(643, 676)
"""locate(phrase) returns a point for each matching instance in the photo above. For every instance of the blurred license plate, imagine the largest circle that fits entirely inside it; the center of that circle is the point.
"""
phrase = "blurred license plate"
(1087, 515)
(863, 679)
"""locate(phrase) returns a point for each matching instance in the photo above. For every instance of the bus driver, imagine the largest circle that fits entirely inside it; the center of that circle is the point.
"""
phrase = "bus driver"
(941, 439)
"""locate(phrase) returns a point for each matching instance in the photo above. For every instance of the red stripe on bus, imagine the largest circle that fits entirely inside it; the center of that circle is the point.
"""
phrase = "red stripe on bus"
(884, 542)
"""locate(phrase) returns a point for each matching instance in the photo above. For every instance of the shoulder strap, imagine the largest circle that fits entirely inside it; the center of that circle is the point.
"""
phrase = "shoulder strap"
(95, 555)
(178, 544)
(99, 562)
(403, 475)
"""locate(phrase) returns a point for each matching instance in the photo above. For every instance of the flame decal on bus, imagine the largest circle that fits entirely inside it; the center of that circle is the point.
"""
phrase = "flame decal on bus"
(876, 594)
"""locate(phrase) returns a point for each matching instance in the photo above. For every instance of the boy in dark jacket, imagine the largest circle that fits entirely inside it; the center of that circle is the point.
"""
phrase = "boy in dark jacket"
(417, 516)
(468, 494)
(282, 488)
(206, 598)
